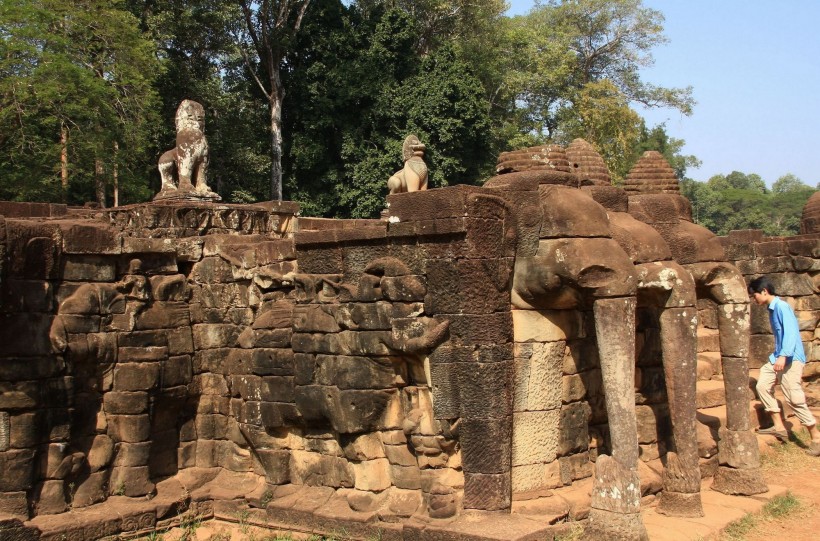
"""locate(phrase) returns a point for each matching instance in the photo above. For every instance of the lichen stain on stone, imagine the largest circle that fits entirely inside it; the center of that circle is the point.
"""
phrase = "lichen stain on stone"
(666, 279)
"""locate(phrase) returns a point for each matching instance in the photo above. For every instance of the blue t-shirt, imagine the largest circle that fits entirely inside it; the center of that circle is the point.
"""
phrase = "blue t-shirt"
(786, 332)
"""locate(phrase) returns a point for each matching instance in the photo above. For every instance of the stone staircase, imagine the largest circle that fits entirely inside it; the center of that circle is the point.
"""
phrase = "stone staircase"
(711, 405)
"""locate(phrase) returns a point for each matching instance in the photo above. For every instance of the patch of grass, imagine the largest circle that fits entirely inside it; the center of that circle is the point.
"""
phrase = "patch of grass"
(289, 538)
(574, 534)
(782, 506)
(777, 508)
(336, 535)
(189, 521)
(790, 456)
(155, 536)
(736, 530)
(242, 517)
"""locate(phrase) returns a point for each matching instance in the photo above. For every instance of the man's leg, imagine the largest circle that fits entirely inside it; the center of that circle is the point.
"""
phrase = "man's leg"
(765, 391)
(792, 384)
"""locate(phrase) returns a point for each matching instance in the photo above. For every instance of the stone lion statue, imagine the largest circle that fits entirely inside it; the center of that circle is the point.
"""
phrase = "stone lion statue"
(413, 176)
(189, 159)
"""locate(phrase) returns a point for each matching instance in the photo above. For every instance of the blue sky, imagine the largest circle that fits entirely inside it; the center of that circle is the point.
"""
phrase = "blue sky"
(755, 69)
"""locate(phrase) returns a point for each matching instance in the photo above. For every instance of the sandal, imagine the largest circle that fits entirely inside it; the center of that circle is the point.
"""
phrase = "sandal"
(814, 449)
(782, 435)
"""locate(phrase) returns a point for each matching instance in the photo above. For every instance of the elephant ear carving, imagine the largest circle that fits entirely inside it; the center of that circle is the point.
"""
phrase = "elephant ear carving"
(387, 266)
(596, 276)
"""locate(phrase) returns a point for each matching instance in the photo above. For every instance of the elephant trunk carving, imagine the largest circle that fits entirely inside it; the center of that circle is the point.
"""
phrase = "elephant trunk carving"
(739, 470)
(670, 288)
(570, 272)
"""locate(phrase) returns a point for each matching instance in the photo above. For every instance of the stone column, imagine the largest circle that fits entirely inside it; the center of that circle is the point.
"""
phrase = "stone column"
(616, 490)
(739, 469)
(681, 479)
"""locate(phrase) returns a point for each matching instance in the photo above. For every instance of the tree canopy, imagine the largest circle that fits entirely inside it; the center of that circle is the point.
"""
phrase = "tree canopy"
(88, 90)
(76, 79)
(742, 201)
(572, 69)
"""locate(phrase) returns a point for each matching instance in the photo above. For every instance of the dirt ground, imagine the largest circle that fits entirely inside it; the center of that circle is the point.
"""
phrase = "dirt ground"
(787, 465)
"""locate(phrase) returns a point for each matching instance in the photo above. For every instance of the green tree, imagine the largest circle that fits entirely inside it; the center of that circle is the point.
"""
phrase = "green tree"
(742, 201)
(437, 22)
(738, 181)
(441, 103)
(76, 100)
(613, 39)
(789, 196)
(602, 115)
(657, 139)
(789, 183)
(573, 68)
(359, 93)
(268, 30)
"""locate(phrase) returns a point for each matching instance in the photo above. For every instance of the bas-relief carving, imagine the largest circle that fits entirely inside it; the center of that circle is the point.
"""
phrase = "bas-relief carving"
(4, 431)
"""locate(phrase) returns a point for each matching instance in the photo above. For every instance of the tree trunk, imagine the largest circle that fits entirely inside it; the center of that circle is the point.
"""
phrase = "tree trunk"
(64, 161)
(99, 181)
(115, 175)
(270, 27)
(276, 97)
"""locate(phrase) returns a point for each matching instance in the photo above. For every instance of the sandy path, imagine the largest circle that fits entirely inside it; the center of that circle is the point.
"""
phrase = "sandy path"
(787, 465)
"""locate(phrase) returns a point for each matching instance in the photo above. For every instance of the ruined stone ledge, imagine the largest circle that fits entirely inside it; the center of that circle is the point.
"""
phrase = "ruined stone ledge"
(750, 243)
(430, 204)
(308, 223)
(10, 209)
(190, 218)
(340, 236)
(541, 519)
(744, 236)
(214, 499)
(450, 202)
(428, 228)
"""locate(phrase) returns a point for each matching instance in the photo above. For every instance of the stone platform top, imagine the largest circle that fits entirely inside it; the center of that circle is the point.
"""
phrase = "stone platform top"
(173, 218)
(176, 218)
(10, 209)
(309, 223)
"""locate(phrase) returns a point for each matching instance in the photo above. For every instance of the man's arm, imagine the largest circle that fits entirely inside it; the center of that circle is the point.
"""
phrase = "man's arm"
(789, 334)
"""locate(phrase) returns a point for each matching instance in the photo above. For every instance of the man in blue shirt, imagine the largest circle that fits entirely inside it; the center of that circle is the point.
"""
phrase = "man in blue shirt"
(785, 365)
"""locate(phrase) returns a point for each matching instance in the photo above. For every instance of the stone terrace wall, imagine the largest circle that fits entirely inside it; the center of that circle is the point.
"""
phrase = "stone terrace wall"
(107, 368)
(159, 340)
(463, 239)
(793, 264)
(374, 369)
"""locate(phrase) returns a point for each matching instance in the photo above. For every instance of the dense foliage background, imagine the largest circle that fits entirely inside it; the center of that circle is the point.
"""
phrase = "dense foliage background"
(318, 95)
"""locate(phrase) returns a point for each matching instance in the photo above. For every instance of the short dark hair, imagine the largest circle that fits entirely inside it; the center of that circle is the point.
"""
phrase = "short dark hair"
(759, 284)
